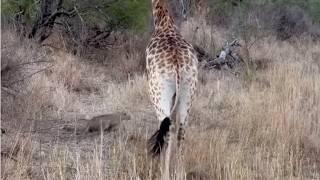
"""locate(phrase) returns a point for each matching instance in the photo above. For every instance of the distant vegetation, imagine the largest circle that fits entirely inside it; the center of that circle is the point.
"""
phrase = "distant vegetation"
(311, 7)
(83, 22)
(98, 16)
(89, 27)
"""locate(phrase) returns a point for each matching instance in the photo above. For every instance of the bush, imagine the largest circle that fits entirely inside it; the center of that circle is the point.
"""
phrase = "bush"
(19, 8)
(284, 18)
(290, 21)
(86, 23)
(119, 14)
(311, 7)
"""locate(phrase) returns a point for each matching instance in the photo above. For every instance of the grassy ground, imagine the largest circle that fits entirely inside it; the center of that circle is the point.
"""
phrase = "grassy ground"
(259, 125)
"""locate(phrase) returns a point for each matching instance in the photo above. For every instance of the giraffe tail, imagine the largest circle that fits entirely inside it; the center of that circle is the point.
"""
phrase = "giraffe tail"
(156, 142)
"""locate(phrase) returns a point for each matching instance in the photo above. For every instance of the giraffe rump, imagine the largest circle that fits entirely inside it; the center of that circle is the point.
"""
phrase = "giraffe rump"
(157, 140)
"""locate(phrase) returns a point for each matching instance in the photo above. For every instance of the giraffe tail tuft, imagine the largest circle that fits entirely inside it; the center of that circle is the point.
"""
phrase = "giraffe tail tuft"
(157, 140)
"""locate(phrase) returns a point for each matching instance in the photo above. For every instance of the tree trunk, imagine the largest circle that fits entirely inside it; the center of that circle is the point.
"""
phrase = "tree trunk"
(45, 12)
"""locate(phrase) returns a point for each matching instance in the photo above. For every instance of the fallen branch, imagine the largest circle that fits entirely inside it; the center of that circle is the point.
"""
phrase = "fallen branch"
(226, 56)
(28, 63)
(227, 48)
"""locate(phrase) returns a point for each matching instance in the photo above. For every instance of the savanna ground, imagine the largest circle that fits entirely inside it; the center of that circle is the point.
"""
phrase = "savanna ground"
(262, 124)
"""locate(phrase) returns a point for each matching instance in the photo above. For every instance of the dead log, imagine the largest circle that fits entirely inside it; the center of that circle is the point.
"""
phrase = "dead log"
(226, 57)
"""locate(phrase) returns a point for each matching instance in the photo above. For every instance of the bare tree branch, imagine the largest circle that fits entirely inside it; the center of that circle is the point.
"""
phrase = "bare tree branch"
(28, 63)
(47, 18)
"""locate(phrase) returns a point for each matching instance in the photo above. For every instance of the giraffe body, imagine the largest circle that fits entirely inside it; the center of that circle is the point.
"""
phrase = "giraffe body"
(172, 74)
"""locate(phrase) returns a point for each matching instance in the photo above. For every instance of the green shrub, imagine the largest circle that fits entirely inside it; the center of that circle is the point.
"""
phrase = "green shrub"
(221, 10)
(120, 14)
(130, 14)
(312, 7)
(23, 8)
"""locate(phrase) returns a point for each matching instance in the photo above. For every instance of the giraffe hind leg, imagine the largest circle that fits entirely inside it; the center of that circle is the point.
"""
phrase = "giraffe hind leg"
(164, 90)
(186, 93)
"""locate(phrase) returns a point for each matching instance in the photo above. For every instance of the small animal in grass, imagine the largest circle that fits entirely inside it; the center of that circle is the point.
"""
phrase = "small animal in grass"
(106, 122)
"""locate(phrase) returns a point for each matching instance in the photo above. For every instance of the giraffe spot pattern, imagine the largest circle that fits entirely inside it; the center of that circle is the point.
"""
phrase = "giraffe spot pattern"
(170, 56)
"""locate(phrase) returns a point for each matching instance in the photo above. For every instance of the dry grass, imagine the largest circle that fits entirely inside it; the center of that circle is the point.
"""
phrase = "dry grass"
(261, 127)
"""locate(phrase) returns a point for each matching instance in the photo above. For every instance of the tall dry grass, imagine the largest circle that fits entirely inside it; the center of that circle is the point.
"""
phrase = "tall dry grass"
(261, 127)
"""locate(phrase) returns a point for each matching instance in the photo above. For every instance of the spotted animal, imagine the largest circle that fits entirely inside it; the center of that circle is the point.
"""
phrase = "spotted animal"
(172, 76)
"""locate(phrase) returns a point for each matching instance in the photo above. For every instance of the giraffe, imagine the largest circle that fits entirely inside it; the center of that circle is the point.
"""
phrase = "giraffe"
(172, 77)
